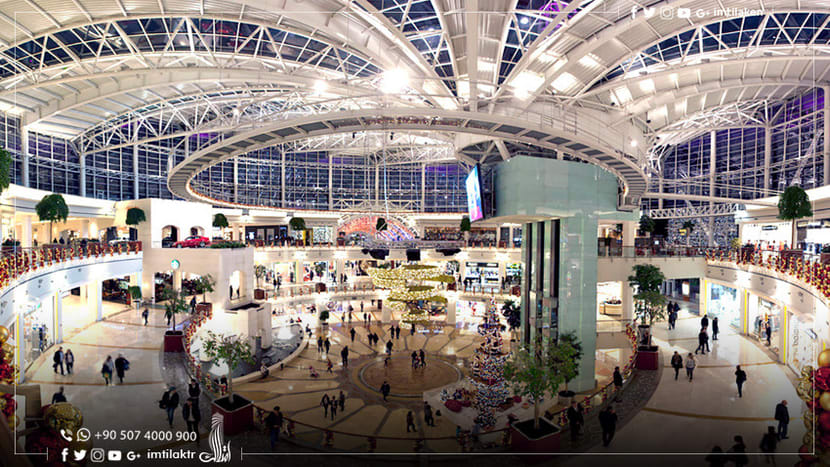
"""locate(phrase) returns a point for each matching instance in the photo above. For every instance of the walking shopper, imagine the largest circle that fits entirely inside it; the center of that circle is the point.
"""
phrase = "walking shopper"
(389, 347)
(702, 341)
(121, 366)
(690, 367)
(715, 329)
(191, 415)
(169, 315)
(428, 419)
(344, 356)
(414, 357)
(768, 444)
(740, 378)
(410, 422)
(618, 383)
(782, 415)
(193, 391)
(717, 458)
(169, 402)
(57, 360)
(333, 406)
(738, 451)
(327, 345)
(676, 363)
(385, 389)
(768, 332)
(342, 400)
(423, 358)
(69, 360)
(106, 370)
(397, 332)
(274, 423)
(704, 322)
(146, 315)
(608, 423)
(319, 344)
(352, 332)
(575, 420)
(325, 402)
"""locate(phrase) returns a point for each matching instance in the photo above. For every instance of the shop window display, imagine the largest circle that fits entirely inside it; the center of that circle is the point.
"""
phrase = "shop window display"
(38, 324)
(803, 343)
(761, 312)
(725, 304)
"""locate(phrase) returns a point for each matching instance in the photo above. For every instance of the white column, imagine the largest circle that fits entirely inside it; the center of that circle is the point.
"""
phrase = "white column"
(768, 158)
(742, 300)
(58, 331)
(265, 326)
(234, 232)
(26, 237)
(235, 180)
(135, 171)
(282, 178)
(627, 302)
(331, 182)
(451, 312)
(24, 155)
(826, 149)
(386, 313)
(377, 183)
(660, 190)
(82, 175)
(148, 288)
(85, 228)
(712, 162)
(177, 280)
(629, 233)
(701, 297)
(423, 188)
(94, 299)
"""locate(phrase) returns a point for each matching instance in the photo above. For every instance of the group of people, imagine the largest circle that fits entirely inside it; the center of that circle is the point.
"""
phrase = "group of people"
(330, 404)
(419, 359)
(119, 366)
(672, 309)
(703, 335)
(768, 444)
(190, 409)
(61, 359)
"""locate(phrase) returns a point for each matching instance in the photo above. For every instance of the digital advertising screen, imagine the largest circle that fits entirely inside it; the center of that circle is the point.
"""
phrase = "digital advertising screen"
(475, 207)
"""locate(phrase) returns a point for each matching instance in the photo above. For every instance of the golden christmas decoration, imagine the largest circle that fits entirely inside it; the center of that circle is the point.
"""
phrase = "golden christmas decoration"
(405, 284)
(824, 400)
(64, 416)
(824, 358)
(4, 334)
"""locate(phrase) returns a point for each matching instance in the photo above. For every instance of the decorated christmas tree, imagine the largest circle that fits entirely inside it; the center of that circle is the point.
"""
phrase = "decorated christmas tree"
(488, 369)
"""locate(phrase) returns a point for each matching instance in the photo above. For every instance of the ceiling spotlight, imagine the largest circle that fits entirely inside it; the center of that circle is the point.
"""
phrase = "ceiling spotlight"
(633, 143)
(524, 20)
(394, 81)
(320, 87)
(236, 111)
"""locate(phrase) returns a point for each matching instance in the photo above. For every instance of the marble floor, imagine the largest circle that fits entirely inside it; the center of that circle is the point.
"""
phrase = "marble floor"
(687, 419)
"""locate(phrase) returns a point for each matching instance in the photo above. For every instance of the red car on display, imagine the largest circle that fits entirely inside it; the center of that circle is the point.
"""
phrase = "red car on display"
(192, 242)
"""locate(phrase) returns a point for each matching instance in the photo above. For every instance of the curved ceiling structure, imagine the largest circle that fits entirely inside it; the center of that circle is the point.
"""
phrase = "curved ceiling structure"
(612, 82)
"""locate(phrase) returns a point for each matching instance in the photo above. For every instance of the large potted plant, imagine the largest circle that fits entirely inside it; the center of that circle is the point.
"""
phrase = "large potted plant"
(52, 208)
(324, 317)
(174, 303)
(689, 227)
(5, 169)
(465, 228)
(569, 341)
(220, 221)
(647, 224)
(259, 272)
(134, 292)
(794, 204)
(649, 307)
(297, 224)
(513, 315)
(535, 374)
(237, 411)
(135, 216)
(205, 284)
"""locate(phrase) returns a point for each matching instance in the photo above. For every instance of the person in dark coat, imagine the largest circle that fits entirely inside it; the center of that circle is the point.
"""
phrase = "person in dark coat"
(410, 422)
(768, 332)
(676, 363)
(575, 420)
(423, 357)
(69, 359)
(352, 333)
(397, 332)
(782, 415)
(740, 378)
(702, 341)
(704, 322)
(121, 366)
(146, 315)
(769, 442)
(428, 418)
(190, 412)
(59, 396)
(715, 328)
(169, 402)
(738, 452)
(327, 345)
(385, 389)
(717, 458)
(344, 356)
(193, 391)
(618, 382)
(57, 360)
(274, 422)
(608, 423)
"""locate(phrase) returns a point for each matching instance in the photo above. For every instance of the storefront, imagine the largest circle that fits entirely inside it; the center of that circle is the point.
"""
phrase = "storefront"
(766, 236)
(609, 298)
(466, 310)
(761, 312)
(285, 271)
(725, 303)
(513, 274)
(481, 276)
(802, 348)
(38, 331)
(318, 271)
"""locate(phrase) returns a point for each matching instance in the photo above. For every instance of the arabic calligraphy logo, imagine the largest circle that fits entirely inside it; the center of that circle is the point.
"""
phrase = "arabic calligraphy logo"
(220, 453)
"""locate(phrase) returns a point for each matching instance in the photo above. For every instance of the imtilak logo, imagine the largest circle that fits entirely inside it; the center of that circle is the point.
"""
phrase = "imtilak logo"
(220, 453)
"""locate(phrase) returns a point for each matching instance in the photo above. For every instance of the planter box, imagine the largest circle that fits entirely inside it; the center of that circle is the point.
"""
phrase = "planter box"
(204, 307)
(259, 294)
(173, 341)
(523, 440)
(647, 358)
(237, 418)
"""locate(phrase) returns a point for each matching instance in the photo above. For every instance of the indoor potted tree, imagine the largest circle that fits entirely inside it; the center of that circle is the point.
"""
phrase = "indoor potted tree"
(134, 292)
(5, 169)
(205, 284)
(297, 224)
(794, 204)
(649, 307)
(237, 411)
(220, 221)
(174, 303)
(134, 217)
(465, 228)
(570, 339)
(324, 317)
(512, 314)
(52, 208)
(534, 374)
(259, 272)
